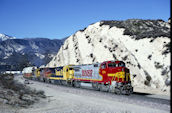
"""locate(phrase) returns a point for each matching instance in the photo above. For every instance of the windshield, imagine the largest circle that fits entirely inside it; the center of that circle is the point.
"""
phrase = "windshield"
(52, 70)
(111, 65)
(121, 64)
(70, 68)
(76, 68)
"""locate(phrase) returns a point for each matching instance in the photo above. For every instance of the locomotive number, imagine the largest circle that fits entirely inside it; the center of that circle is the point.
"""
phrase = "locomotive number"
(87, 73)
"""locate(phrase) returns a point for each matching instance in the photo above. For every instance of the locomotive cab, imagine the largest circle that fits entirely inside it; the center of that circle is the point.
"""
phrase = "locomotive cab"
(118, 72)
(118, 75)
(68, 72)
(125, 74)
(71, 72)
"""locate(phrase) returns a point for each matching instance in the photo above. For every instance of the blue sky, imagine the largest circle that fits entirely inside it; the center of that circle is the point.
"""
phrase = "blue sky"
(62, 18)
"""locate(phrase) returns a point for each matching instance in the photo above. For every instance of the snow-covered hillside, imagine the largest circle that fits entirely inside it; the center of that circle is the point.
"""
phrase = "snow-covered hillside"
(4, 37)
(15, 54)
(144, 45)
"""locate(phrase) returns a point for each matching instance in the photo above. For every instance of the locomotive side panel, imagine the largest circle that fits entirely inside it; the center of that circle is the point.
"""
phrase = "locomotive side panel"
(96, 72)
(48, 72)
(58, 75)
(87, 73)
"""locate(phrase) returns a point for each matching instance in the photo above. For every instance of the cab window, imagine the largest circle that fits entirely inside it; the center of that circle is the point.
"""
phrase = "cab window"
(95, 65)
(77, 69)
(121, 64)
(103, 66)
(70, 68)
(111, 65)
(52, 70)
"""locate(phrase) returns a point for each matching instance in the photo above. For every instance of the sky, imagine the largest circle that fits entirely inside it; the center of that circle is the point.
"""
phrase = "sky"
(57, 19)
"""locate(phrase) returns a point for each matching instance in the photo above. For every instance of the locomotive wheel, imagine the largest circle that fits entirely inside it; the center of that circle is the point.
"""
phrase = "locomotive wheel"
(46, 80)
(49, 81)
(60, 82)
(96, 86)
(104, 87)
(63, 83)
(101, 87)
(77, 84)
(118, 91)
(69, 83)
(40, 79)
(127, 93)
(107, 88)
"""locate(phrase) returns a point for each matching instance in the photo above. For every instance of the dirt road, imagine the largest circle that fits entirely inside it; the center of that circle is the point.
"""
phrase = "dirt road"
(62, 99)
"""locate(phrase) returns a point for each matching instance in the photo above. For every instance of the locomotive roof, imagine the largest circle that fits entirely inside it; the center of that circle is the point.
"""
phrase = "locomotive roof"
(85, 64)
(113, 61)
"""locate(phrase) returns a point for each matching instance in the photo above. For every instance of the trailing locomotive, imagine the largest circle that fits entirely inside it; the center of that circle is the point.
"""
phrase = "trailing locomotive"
(112, 76)
(27, 72)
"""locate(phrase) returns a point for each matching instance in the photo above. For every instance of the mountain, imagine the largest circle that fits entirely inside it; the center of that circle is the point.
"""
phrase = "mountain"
(15, 54)
(144, 45)
(4, 37)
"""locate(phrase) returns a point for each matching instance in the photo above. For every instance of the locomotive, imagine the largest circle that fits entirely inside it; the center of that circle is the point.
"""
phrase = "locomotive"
(27, 72)
(111, 76)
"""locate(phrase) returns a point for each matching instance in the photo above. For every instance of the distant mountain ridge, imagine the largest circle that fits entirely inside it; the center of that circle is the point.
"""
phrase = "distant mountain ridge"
(16, 54)
(4, 37)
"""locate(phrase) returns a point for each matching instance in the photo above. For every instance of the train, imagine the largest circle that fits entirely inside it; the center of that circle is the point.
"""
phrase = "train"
(110, 76)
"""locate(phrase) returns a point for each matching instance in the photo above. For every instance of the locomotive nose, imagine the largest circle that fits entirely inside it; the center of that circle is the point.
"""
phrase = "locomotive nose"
(126, 70)
(127, 75)
(124, 76)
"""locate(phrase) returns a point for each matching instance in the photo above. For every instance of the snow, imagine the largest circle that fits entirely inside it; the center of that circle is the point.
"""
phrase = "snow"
(27, 70)
(40, 55)
(34, 46)
(4, 37)
(13, 72)
(19, 48)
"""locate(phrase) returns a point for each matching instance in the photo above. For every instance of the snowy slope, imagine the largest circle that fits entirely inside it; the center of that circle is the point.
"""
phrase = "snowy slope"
(4, 37)
(142, 44)
(16, 54)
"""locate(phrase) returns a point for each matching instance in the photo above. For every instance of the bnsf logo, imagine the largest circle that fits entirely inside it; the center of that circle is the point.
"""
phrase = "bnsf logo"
(87, 73)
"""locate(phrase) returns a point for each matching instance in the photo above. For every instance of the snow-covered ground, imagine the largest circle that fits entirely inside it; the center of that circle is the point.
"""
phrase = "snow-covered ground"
(62, 99)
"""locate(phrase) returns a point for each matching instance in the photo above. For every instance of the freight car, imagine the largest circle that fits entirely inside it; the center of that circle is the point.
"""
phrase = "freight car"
(112, 76)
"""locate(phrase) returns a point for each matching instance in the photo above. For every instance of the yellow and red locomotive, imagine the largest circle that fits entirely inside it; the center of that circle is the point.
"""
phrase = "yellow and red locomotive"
(112, 76)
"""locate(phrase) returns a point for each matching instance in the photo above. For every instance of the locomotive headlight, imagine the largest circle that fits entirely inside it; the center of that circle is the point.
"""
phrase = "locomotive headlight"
(129, 84)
